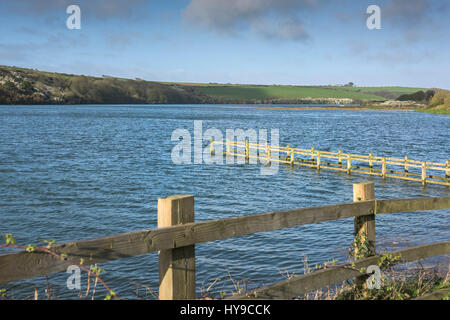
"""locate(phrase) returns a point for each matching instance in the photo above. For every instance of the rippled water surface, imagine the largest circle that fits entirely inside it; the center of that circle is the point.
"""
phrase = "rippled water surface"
(75, 172)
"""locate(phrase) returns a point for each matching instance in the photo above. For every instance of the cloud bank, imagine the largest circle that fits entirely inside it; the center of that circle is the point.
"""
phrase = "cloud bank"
(273, 19)
(101, 9)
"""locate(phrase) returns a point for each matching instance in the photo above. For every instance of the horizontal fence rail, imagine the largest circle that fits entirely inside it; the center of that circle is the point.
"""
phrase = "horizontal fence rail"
(385, 167)
(22, 265)
(316, 280)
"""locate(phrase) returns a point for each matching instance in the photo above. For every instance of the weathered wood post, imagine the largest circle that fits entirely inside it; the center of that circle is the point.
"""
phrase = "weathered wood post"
(292, 157)
(211, 147)
(406, 166)
(176, 266)
(383, 168)
(313, 151)
(247, 151)
(288, 147)
(318, 161)
(364, 234)
(339, 158)
(268, 152)
(447, 172)
(349, 164)
(370, 162)
(424, 173)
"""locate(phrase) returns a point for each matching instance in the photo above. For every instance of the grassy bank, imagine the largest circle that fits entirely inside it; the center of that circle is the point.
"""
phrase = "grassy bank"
(439, 104)
(28, 86)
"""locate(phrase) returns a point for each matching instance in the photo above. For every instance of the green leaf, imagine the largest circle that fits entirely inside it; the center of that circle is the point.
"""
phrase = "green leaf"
(10, 239)
(49, 243)
(110, 295)
(31, 248)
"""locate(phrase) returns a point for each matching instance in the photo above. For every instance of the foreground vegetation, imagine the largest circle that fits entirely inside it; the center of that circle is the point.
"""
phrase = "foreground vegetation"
(27, 86)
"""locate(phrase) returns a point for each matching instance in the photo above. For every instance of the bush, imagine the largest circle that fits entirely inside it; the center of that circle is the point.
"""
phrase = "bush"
(418, 96)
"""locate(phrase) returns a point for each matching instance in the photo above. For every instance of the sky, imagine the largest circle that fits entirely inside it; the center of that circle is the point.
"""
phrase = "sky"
(298, 42)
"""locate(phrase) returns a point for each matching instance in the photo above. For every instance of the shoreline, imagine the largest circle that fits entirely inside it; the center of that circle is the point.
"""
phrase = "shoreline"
(386, 109)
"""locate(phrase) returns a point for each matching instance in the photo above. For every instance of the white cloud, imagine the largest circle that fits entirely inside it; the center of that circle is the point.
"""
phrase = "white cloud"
(274, 19)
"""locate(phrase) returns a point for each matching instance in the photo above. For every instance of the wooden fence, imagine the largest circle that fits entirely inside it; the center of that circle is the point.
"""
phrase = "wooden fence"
(385, 167)
(177, 234)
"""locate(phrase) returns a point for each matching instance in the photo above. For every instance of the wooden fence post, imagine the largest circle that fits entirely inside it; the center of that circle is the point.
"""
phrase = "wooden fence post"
(424, 173)
(447, 172)
(349, 164)
(211, 147)
(268, 152)
(247, 151)
(318, 161)
(292, 157)
(176, 266)
(312, 153)
(383, 168)
(370, 162)
(339, 158)
(406, 166)
(364, 226)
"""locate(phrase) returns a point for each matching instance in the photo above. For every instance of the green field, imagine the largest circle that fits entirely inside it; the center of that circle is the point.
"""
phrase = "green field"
(299, 92)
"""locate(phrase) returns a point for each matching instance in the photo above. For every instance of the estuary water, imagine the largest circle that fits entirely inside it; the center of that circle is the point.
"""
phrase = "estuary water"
(77, 172)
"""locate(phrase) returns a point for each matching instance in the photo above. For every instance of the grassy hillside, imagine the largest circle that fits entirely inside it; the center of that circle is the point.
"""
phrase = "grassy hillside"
(283, 92)
(310, 94)
(27, 86)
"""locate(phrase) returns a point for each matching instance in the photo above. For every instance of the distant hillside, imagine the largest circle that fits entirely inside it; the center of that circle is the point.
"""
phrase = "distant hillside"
(285, 94)
(27, 86)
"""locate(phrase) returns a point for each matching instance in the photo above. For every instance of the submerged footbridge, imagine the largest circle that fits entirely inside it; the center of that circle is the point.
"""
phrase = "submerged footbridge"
(385, 167)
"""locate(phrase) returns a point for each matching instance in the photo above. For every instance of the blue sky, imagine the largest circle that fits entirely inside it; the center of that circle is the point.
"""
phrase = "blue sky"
(304, 42)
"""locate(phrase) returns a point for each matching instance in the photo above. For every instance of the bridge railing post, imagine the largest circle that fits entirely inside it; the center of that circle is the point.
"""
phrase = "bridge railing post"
(424, 173)
(176, 266)
(211, 147)
(247, 151)
(268, 152)
(447, 172)
(364, 226)
(292, 157)
(406, 166)
(318, 161)
(349, 164)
